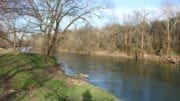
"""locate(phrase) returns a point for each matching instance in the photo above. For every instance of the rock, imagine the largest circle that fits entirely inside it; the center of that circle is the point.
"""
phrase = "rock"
(84, 76)
(89, 52)
(81, 76)
(12, 91)
(175, 60)
(171, 59)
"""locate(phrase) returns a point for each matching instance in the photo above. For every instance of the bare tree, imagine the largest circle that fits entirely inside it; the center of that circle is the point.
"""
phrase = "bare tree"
(54, 17)
(13, 34)
(169, 11)
(140, 22)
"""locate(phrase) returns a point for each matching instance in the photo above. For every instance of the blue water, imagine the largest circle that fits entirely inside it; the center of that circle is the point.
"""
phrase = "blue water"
(129, 80)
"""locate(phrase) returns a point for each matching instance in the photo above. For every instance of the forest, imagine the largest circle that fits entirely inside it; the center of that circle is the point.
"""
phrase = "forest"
(159, 37)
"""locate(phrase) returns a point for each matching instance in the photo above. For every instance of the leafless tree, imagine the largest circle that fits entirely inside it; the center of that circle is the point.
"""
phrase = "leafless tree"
(54, 17)
(14, 31)
(169, 11)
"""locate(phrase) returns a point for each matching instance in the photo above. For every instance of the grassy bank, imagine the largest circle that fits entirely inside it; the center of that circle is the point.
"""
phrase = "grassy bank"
(30, 77)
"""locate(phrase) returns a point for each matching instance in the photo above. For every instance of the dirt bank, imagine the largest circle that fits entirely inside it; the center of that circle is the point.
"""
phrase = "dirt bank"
(150, 57)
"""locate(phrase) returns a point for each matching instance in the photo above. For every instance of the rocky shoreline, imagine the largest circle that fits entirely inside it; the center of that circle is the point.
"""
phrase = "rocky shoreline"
(170, 59)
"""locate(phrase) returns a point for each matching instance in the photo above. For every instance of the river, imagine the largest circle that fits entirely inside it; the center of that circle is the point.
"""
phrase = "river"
(127, 79)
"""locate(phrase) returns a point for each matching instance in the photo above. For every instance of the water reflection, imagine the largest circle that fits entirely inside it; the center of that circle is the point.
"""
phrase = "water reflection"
(127, 79)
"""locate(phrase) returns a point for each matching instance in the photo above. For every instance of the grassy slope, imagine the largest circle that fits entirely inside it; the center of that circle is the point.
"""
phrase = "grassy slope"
(27, 77)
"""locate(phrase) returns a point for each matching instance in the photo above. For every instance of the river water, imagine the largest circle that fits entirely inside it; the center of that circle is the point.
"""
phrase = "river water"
(127, 79)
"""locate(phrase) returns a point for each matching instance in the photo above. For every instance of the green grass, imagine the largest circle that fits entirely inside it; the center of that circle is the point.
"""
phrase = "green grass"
(23, 73)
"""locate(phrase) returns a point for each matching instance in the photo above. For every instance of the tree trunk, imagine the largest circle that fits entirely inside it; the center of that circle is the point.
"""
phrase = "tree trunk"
(168, 37)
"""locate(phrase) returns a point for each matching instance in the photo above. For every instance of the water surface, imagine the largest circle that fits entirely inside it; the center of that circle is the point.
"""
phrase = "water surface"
(129, 80)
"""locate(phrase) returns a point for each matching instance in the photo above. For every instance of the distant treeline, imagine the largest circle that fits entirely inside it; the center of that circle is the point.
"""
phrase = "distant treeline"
(158, 37)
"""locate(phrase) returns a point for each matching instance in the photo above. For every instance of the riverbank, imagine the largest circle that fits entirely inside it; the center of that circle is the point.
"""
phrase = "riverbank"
(3, 51)
(148, 57)
(32, 77)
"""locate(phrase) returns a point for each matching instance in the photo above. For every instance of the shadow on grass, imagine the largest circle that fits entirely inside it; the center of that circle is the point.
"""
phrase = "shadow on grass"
(87, 95)
(57, 95)
(22, 68)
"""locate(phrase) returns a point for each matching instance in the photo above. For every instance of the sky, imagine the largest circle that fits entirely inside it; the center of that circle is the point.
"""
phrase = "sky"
(117, 9)
(134, 4)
